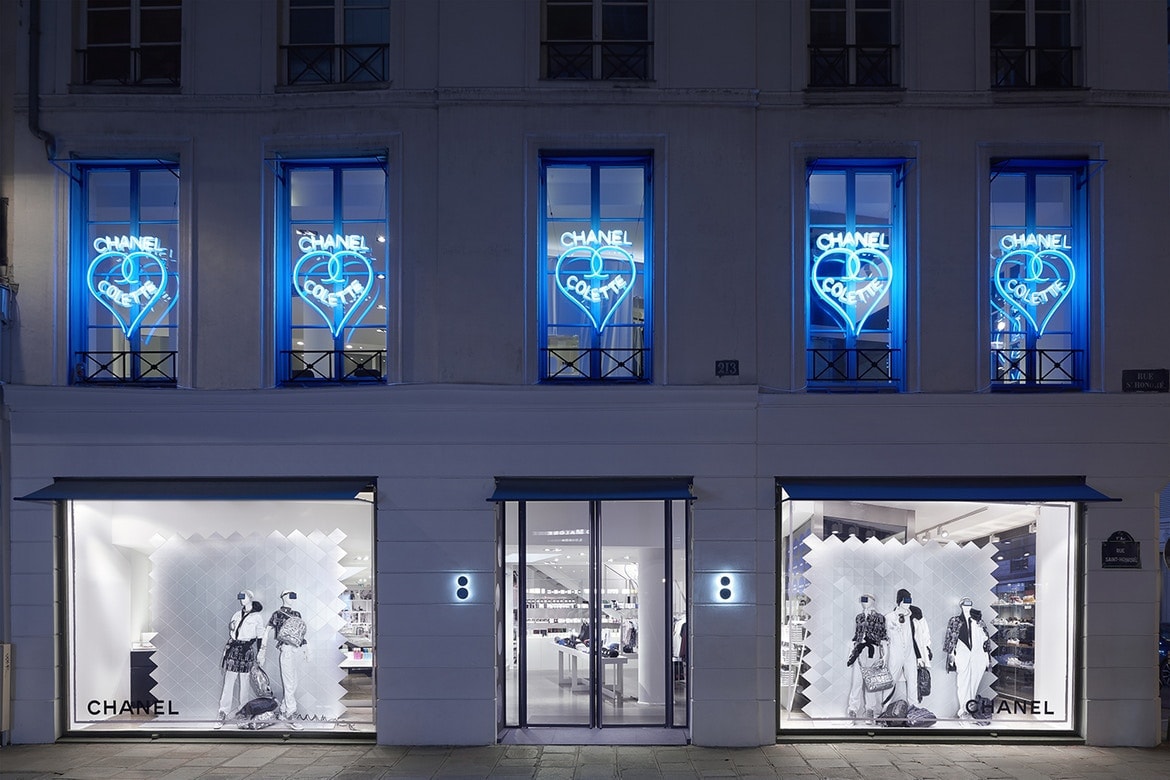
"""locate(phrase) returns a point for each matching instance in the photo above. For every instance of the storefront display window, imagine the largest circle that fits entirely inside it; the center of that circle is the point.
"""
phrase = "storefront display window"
(596, 275)
(193, 616)
(331, 272)
(855, 274)
(1038, 279)
(125, 273)
(938, 614)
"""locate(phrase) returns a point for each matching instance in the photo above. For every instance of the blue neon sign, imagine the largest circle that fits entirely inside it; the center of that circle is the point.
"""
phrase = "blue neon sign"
(335, 276)
(852, 275)
(129, 277)
(596, 272)
(1035, 275)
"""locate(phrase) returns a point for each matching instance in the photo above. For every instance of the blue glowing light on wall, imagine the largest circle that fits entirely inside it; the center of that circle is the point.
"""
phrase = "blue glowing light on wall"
(852, 276)
(129, 277)
(1034, 276)
(596, 273)
(335, 276)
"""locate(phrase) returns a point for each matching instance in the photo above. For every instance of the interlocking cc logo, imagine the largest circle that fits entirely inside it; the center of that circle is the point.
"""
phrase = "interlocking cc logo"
(337, 285)
(596, 279)
(1034, 284)
(852, 283)
(132, 286)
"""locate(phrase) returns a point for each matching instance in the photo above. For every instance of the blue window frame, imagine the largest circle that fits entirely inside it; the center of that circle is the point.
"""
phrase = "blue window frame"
(125, 272)
(1038, 274)
(597, 272)
(856, 255)
(332, 271)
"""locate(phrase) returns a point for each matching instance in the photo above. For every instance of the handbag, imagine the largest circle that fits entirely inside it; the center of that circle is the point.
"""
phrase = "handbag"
(877, 677)
(923, 682)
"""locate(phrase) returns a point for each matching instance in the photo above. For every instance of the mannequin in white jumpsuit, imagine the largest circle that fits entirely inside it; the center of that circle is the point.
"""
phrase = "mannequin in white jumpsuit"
(968, 647)
(869, 648)
(246, 631)
(292, 655)
(909, 636)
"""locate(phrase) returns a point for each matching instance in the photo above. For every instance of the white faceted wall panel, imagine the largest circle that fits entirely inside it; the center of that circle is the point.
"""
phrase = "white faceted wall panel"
(937, 575)
(194, 582)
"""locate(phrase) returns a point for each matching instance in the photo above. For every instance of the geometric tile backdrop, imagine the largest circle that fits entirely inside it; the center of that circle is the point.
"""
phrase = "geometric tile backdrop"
(937, 575)
(194, 582)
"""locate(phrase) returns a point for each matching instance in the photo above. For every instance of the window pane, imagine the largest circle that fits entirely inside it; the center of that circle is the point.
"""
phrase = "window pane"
(1054, 201)
(367, 25)
(1007, 199)
(107, 26)
(161, 26)
(874, 29)
(363, 194)
(569, 22)
(623, 192)
(108, 196)
(826, 198)
(874, 198)
(1053, 30)
(624, 22)
(827, 28)
(158, 196)
(1008, 30)
(310, 25)
(567, 193)
(311, 194)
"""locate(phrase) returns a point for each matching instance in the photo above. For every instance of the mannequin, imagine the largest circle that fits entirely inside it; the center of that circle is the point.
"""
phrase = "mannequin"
(245, 638)
(968, 648)
(869, 647)
(909, 635)
(290, 643)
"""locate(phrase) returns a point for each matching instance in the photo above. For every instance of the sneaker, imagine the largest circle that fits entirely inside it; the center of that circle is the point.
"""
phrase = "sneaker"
(219, 723)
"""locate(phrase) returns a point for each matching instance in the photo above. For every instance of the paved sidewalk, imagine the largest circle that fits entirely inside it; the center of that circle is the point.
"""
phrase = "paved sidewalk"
(272, 761)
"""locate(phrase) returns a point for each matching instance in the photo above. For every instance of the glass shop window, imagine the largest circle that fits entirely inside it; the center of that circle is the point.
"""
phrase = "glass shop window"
(337, 42)
(125, 273)
(1038, 279)
(229, 616)
(331, 271)
(596, 39)
(852, 43)
(1034, 44)
(856, 254)
(595, 305)
(130, 42)
(926, 614)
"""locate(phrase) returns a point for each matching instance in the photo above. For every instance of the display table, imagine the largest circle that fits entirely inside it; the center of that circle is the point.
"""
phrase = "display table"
(615, 690)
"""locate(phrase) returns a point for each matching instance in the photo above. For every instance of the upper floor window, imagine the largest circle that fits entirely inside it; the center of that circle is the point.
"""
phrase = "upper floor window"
(1038, 255)
(131, 42)
(856, 252)
(852, 43)
(595, 284)
(337, 42)
(125, 273)
(331, 271)
(597, 39)
(1034, 44)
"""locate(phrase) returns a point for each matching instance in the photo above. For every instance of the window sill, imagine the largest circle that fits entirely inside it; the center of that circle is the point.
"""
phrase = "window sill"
(333, 86)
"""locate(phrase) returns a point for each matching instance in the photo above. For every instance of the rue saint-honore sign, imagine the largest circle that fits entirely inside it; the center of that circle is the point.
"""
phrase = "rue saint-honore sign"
(1121, 551)
(1145, 380)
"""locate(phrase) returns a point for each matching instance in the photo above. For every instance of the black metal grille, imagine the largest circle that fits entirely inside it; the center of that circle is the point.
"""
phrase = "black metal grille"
(853, 66)
(1043, 67)
(131, 65)
(866, 366)
(349, 366)
(125, 368)
(1038, 368)
(340, 64)
(626, 364)
(617, 60)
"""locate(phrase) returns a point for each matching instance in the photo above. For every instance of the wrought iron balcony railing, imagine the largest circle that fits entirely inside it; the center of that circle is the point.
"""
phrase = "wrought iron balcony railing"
(867, 366)
(1048, 369)
(125, 368)
(1037, 67)
(341, 64)
(626, 364)
(349, 366)
(155, 65)
(853, 66)
(617, 59)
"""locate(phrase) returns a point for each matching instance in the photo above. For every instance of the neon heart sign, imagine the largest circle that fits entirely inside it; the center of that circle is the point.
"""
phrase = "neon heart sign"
(598, 278)
(852, 283)
(338, 285)
(129, 277)
(1035, 283)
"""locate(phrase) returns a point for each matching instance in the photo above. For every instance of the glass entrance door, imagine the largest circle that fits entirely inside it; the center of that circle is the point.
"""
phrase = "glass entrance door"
(595, 598)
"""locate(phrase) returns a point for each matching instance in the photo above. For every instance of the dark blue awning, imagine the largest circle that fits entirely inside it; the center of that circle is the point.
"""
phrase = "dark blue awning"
(211, 489)
(592, 488)
(941, 489)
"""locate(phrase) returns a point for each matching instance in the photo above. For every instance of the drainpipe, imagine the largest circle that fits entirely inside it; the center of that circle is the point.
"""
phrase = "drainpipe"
(34, 80)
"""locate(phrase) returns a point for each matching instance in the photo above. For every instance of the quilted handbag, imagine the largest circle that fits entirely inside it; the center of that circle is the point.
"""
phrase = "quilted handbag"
(877, 677)
(894, 714)
(923, 682)
(919, 717)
